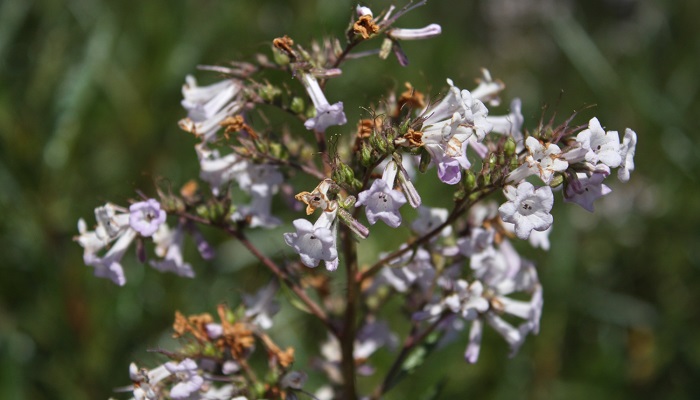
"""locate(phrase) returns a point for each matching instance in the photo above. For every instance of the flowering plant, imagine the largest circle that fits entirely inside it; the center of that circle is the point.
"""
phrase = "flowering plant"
(458, 270)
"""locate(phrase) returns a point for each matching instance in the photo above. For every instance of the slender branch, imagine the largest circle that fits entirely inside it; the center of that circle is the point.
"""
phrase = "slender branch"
(413, 340)
(459, 209)
(272, 266)
(347, 339)
(314, 308)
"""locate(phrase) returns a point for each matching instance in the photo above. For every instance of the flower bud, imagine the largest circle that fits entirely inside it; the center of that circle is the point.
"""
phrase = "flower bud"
(509, 147)
(365, 155)
(297, 105)
(355, 226)
(556, 181)
(269, 93)
(469, 180)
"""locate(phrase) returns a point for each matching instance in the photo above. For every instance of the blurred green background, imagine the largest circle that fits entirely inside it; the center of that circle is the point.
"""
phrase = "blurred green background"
(89, 100)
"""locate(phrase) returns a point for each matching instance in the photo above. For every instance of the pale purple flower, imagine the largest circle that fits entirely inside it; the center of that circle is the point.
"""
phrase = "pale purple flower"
(258, 213)
(528, 208)
(381, 201)
(600, 146)
(169, 250)
(294, 380)
(627, 150)
(262, 306)
(190, 380)
(326, 114)
(109, 266)
(584, 189)
(412, 268)
(505, 273)
(478, 241)
(430, 218)
(315, 242)
(214, 330)
(146, 216)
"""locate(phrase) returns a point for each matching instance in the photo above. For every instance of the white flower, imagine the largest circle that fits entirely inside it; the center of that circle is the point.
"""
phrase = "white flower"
(217, 170)
(528, 208)
(326, 114)
(208, 106)
(488, 89)
(600, 146)
(542, 159)
(316, 242)
(190, 380)
(427, 32)
(629, 144)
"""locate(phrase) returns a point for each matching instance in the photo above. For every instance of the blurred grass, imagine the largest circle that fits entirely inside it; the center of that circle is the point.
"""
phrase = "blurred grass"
(89, 100)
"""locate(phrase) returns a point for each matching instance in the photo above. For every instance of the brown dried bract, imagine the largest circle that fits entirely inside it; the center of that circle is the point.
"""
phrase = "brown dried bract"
(236, 337)
(194, 324)
(189, 190)
(411, 97)
(365, 27)
(236, 124)
(285, 44)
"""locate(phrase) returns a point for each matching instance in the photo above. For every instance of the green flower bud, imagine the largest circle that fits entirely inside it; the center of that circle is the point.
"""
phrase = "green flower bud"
(269, 93)
(280, 58)
(557, 181)
(469, 181)
(509, 147)
(365, 155)
(297, 105)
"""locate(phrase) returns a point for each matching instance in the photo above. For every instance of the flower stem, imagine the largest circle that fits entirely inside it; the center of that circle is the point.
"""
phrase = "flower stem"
(347, 338)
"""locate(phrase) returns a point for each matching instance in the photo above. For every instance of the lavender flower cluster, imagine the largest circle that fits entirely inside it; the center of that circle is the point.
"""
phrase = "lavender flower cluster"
(459, 268)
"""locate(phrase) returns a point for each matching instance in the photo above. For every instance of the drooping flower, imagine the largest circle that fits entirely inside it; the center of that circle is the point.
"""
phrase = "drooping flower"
(504, 273)
(146, 216)
(208, 106)
(381, 200)
(169, 250)
(528, 208)
(112, 226)
(261, 306)
(316, 242)
(326, 114)
(585, 189)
